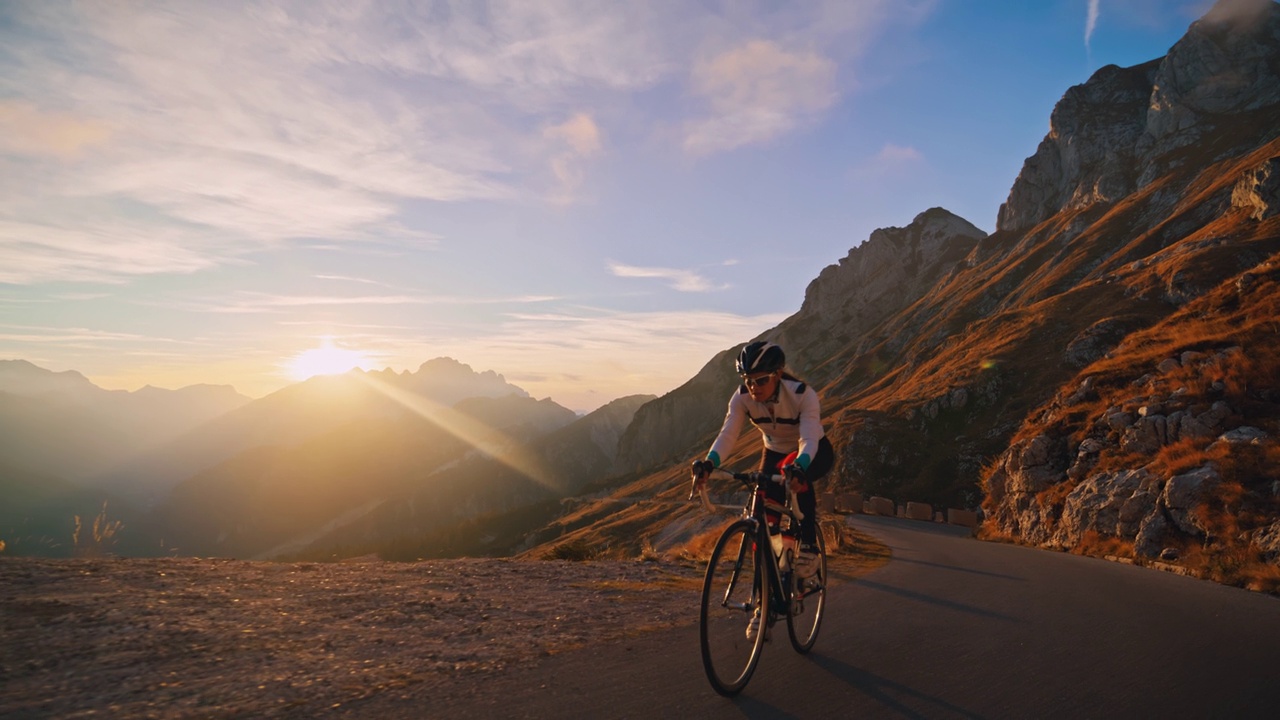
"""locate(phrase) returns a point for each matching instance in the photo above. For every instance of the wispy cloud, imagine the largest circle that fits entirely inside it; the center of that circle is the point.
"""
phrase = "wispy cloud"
(171, 138)
(225, 129)
(757, 92)
(891, 155)
(69, 335)
(892, 163)
(27, 130)
(344, 278)
(247, 302)
(581, 138)
(1090, 23)
(682, 280)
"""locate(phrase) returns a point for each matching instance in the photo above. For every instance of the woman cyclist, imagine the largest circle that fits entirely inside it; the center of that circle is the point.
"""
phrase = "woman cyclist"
(786, 412)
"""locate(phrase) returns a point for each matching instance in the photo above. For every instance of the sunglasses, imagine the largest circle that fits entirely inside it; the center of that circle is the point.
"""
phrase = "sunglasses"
(760, 381)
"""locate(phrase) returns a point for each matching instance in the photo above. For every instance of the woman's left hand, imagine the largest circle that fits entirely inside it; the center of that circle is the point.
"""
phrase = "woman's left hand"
(795, 478)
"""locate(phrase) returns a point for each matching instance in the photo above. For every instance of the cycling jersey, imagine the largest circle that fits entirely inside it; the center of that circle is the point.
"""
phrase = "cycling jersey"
(790, 421)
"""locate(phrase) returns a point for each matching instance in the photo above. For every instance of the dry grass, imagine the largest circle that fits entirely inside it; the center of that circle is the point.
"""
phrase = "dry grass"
(1183, 456)
(577, 550)
(98, 540)
(1054, 497)
(1096, 545)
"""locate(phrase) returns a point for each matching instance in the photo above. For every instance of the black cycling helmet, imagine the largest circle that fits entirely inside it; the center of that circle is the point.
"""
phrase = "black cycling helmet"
(760, 356)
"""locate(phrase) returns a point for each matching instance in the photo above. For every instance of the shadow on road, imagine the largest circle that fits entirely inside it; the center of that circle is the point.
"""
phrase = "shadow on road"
(959, 569)
(905, 701)
(921, 597)
(757, 710)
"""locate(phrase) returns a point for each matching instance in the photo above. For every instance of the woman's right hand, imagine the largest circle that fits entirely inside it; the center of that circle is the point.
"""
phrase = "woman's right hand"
(700, 470)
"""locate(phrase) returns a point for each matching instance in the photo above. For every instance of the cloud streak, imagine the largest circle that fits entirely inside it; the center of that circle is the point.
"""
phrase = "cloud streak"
(682, 280)
(224, 130)
(1090, 22)
(755, 93)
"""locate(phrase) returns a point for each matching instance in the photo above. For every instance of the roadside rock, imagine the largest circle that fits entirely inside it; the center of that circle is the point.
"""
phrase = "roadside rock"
(1110, 504)
(1184, 493)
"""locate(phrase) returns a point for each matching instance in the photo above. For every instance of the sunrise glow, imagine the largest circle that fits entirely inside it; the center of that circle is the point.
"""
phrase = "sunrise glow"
(326, 360)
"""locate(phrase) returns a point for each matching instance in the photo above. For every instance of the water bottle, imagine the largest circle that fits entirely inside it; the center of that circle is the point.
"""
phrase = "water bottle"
(789, 550)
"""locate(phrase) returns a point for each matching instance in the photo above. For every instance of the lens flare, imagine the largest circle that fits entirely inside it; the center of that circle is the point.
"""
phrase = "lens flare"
(486, 440)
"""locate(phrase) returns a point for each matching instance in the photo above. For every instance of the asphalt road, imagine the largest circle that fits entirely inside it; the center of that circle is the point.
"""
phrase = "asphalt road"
(951, 627)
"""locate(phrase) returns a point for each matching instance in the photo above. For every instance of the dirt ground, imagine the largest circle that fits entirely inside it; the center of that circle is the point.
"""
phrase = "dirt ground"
(210, 638)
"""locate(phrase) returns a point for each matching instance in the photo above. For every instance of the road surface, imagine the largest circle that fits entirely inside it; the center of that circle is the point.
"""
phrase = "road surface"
(951, 627)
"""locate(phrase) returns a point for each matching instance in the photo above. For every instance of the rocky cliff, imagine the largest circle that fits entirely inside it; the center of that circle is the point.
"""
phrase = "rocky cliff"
(1117, 133)
(1165, 442)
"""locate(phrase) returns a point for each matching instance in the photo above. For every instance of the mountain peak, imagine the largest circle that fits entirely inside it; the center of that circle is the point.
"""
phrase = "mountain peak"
(1238, 14)
(942, 224)
(1117, 132)
(445, 364)
(20, 377)
(449, 380)
(877, 271)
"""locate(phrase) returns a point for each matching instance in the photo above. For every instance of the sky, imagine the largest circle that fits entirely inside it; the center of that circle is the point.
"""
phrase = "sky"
(590, 198)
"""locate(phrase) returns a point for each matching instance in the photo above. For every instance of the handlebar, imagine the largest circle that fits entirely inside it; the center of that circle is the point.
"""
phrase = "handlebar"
(746, 478)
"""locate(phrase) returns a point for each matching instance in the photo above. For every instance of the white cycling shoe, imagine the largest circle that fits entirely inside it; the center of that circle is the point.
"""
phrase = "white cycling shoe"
(754, 627)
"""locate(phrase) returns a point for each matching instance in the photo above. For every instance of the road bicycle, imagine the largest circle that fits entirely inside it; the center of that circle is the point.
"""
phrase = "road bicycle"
(750, 574)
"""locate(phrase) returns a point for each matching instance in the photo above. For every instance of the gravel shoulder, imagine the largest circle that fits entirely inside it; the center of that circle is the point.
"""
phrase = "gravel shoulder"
(189, 637)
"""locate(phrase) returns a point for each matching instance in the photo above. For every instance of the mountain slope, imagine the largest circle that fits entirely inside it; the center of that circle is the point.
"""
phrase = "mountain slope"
(299, 412)
(62, 424)
(522, 484)
(1145, 226)
(271, 495)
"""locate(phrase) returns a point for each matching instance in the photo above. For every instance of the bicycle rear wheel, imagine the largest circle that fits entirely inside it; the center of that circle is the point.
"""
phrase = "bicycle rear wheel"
(808, 600)
(731, 594)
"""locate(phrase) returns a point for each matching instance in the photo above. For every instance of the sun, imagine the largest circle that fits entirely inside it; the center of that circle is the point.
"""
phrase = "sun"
(326, 360)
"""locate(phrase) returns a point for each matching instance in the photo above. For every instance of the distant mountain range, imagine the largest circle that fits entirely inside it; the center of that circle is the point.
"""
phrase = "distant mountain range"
(62, 424)
(1101, 375)
(204, 470)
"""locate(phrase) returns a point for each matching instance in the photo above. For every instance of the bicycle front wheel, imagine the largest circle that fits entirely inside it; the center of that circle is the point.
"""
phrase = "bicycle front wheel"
(731, 596)
(808, 600)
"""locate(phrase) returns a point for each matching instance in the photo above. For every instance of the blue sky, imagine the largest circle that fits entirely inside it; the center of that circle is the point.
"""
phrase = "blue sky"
(589, 198)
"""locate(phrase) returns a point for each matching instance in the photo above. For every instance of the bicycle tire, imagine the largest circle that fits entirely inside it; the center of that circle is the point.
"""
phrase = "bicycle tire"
(808, 603)
(732, 590)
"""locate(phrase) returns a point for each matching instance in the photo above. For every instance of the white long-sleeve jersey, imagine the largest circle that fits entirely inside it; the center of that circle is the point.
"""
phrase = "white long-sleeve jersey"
(790, 421)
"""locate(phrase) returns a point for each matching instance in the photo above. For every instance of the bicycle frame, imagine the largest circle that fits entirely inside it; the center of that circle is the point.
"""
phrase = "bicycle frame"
(755, 512)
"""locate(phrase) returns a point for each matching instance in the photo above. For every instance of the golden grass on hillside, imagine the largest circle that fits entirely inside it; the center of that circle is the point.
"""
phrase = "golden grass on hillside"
(1093, 544)
(1233, 336)
(1054, 498)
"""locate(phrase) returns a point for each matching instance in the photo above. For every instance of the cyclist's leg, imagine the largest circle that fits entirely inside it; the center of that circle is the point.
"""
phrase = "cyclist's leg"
(808, 503)
(822, 463)
(769, 460)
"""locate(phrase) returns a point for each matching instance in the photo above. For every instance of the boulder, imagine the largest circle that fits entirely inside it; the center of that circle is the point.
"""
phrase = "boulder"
(1267, 540)
(1148, 543)
(1100, 502)
(1184, 493)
